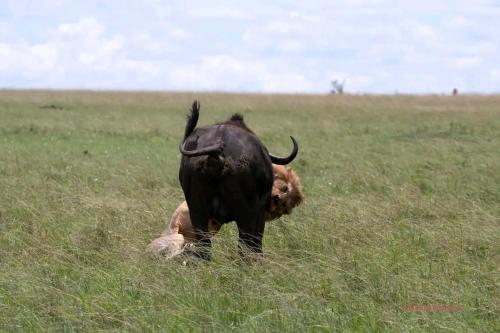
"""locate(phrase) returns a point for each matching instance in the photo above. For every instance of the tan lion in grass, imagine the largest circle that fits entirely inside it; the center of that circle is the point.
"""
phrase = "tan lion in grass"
(179, 234)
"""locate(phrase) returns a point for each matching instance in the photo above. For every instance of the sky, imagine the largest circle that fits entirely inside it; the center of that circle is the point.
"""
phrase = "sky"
(374, 46)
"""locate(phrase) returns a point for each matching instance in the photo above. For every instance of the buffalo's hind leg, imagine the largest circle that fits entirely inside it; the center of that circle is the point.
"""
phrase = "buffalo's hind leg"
(203, 243)
(251, 230)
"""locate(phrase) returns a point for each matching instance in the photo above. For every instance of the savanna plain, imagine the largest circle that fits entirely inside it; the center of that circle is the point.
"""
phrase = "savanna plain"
(399, 232)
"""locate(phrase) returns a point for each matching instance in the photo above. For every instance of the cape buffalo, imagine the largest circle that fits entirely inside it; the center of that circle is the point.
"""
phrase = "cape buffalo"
(226, 174)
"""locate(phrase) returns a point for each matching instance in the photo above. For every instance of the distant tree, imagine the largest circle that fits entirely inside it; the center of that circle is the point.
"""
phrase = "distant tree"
(455, 92)
(337, 87)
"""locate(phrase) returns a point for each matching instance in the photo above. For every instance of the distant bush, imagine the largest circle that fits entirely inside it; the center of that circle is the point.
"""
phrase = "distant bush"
(337, 87)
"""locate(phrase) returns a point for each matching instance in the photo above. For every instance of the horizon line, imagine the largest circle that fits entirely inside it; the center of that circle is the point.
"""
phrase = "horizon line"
(233, 92)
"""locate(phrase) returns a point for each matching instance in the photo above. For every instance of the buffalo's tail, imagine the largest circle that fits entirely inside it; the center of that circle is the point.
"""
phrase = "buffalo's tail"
(212, 150)
(192, 119)
(213, 164)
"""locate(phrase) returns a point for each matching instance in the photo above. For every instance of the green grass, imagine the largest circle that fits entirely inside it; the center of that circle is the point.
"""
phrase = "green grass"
(402, 208)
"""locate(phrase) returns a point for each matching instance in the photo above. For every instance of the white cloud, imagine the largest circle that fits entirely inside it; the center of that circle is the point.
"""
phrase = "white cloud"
(85, 26)
(144, 40)
(376, 45)
(283, 28)
(421, 32)
(29, 61)
(3, 29)
(220, 72)
(291, 45)
(228, 73)
(179, 34)
(495, 76)
(218, 13)
(287, 36)
(80, 49)
(466, 62)
(458, 21)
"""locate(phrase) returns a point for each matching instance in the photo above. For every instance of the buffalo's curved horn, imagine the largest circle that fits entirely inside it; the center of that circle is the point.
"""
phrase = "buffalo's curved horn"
(288, 159)
(214, 149)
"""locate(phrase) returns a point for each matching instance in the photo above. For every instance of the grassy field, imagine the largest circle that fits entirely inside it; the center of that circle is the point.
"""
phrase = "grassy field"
(402, 211)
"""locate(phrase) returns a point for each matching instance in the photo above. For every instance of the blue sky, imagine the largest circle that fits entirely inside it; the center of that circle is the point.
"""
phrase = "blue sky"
(376, 46)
